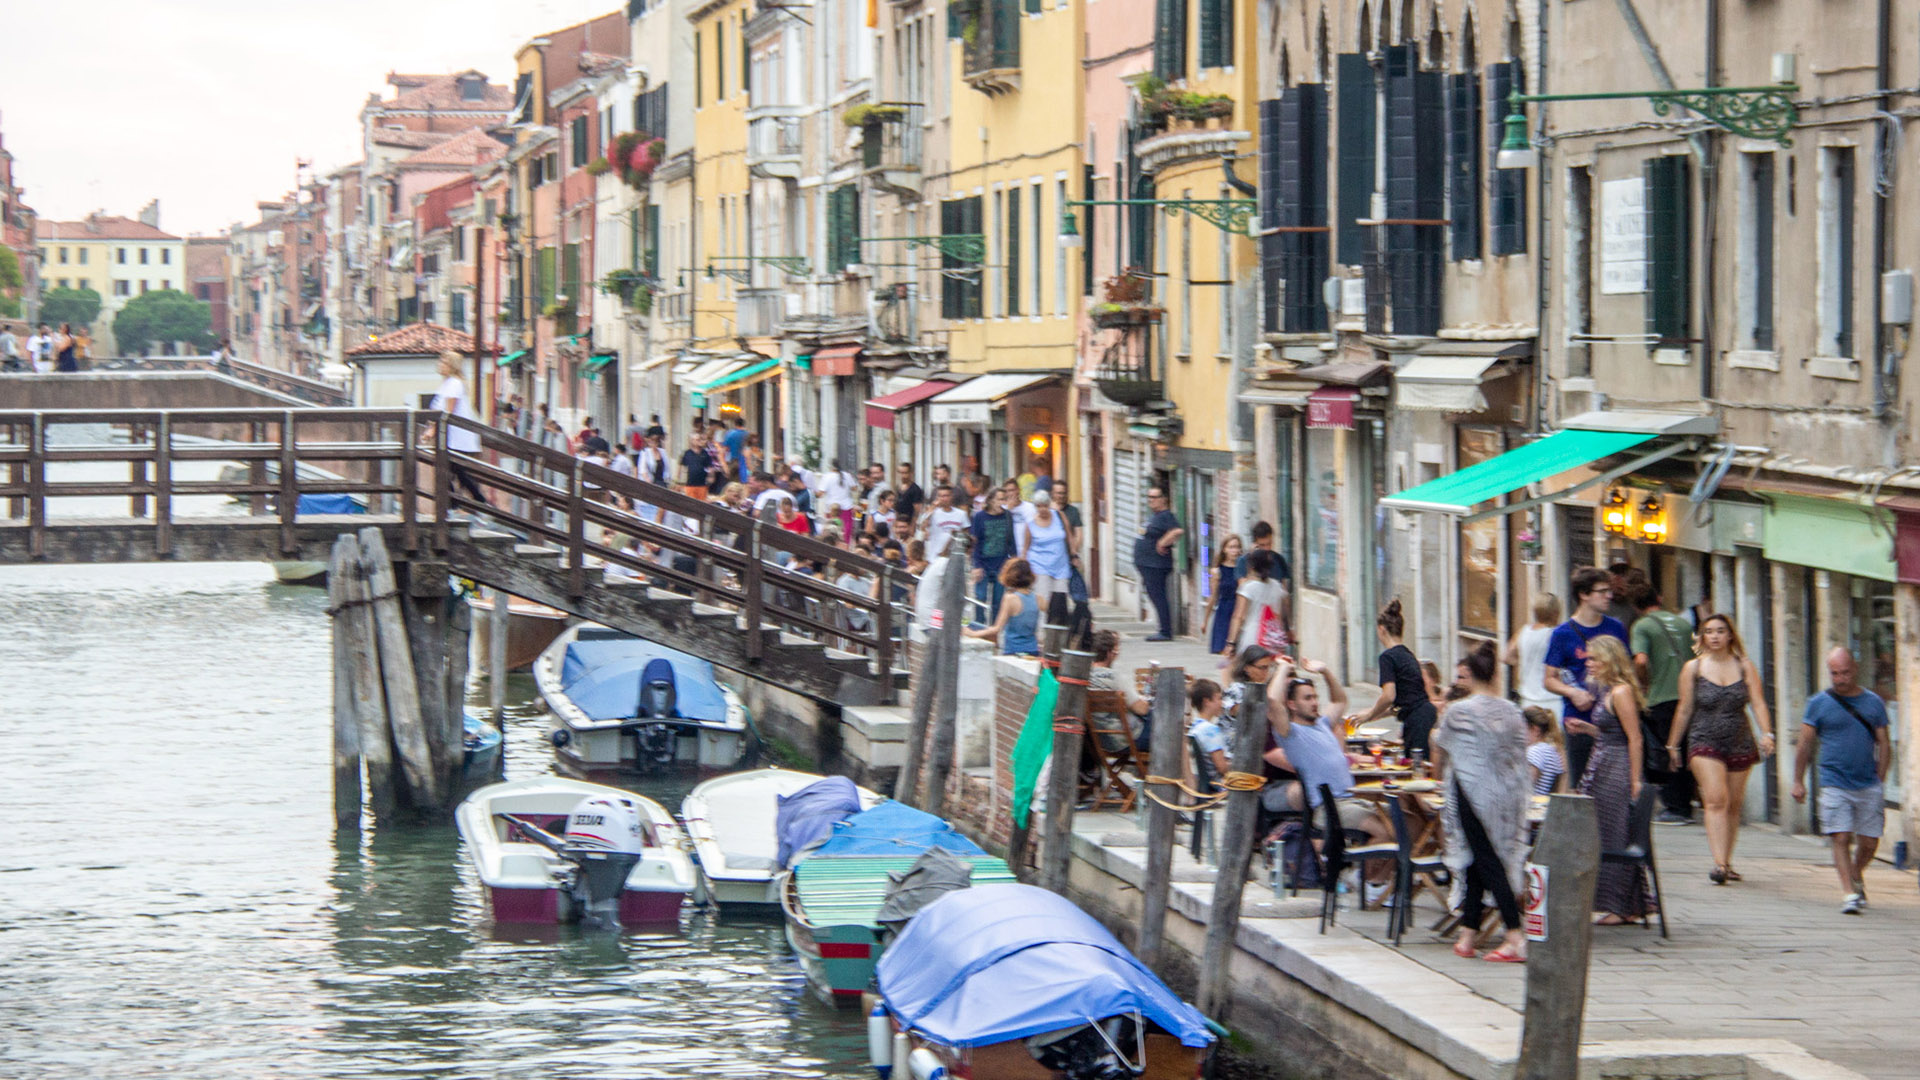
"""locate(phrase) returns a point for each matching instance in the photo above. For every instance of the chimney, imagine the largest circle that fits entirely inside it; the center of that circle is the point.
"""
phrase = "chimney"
(150, 214)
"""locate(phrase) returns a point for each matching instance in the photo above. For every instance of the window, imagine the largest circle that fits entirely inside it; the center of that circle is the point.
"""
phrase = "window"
(1507, 201)
(64, 283)
(63, 255)
(1354, 87)
(1038, 228)
(1170, 40)
(120, 288)
(523, 96)
(650, 112)
(86, 283)
(1463, 163)
(843, 227)
(960, 279)
(83, 256)
(143, 256)
(720, 60)
(426, 312)
(143, 287)
(1578, 276)
(120, 256)
(459, 239)
(1216, 33)
(166, 254)
(581, 143)
(1010, 229)
(699, 75)
(1293, 194)
(200, 292)
(1669, 248)
(1059, 253)
(1755, 287)
(1836, 251)
(457, 311)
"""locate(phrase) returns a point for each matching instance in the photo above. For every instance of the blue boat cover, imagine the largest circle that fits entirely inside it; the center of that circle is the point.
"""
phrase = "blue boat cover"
(806, 816)
(603, 677)
(893, 828)
(328, 504)
(999, 962)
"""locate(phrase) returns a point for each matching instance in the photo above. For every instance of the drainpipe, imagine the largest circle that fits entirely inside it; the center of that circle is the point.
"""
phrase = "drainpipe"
(1883, 67)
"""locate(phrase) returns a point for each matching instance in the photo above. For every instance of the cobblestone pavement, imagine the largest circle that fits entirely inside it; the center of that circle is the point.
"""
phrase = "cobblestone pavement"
(1768, 957)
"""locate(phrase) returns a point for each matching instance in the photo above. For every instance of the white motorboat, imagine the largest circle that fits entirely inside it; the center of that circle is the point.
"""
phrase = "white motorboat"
(552, 849)
(619, 702)
(730, 821)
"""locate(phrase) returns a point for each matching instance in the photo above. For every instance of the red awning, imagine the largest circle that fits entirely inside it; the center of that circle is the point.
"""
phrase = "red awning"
(880, 410)
(835, 360)
(1330, 407)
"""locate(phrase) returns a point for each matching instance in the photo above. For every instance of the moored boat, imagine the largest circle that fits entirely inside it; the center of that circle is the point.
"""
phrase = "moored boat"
(531, 627)
(619, 702)
(1012, 982)
(551, 849)
(732, 823)
(842, 897)
(310, 571)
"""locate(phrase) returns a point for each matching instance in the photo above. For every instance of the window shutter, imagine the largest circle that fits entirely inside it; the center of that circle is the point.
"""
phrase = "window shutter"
(1669, 248)
(1170, 40)
(1086, 231)
(1507, 204)
(1012, 231)
(1293, 195)
(1216, 33)
(1414, 192)
(1354, 87)
(1033, 7)
(652, 241)
(843, 227)
(1463, 162)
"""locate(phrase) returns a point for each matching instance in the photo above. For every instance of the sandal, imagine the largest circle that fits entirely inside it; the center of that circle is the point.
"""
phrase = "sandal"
(1504, 955)
(1608, 919)
(1718, 875)
(1733, 875)
(1463, 949)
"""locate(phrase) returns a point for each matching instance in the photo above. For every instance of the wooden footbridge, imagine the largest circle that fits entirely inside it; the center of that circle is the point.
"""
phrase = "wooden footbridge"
(97, 485)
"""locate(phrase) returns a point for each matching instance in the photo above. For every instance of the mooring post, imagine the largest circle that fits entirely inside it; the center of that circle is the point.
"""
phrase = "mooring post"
(427, 601)
(397, 672)
(1566, 864)
(497, 657)
(1063, 781)
(1236, 846)
(946, 701)
(1053, 637)
(346, 718)
(907, 785)
(1169, 712)
(454, 678)
(369, 698)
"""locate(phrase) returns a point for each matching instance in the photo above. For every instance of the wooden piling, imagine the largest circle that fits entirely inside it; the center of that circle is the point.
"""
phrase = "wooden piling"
(1053, 637)
(1236, 846)
(346, 717)
(1569, 851)
(1063, 781)
(926, 688)
(497, 658)
(397, 673)
(427, 604)
(1169, 727)
(454, 676)
(369, 697)
(946, 701)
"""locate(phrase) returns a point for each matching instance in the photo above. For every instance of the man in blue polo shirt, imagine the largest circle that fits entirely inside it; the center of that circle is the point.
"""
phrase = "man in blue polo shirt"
(1846, 725)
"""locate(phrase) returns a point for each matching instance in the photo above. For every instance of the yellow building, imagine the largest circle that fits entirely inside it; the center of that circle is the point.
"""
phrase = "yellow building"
(1016, 130)
(73, 257)
(721, 219)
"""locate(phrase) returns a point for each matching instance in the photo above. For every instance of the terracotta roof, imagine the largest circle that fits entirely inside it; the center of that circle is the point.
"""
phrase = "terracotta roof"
(420, 339)
(470, 147)
(418, 140)
(100, 227)
(442, 92)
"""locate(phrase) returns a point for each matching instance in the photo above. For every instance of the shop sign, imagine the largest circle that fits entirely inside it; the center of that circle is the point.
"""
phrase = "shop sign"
(975, 413)
(1533, 913)
(1623, 237)
(1330, 409)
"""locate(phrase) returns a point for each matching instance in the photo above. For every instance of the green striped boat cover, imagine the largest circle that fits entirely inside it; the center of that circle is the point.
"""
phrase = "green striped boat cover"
(837, 891)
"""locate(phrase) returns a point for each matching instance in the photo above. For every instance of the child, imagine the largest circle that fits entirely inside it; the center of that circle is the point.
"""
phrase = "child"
(880, 521)
(1209, 727)
(1546, 750)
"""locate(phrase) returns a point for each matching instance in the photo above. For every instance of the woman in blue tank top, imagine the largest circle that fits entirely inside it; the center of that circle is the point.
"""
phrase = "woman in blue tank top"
(1019, 615)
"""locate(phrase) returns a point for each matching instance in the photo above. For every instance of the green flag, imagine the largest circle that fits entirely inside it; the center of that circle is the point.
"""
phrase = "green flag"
(1035, 745)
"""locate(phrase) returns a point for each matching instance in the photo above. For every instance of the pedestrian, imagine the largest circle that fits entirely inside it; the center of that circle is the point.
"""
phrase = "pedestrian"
(1225, 589)
(1612, 778)
(1546, 757)
(1403, 687)
(40, 349)
(802, 495)
(1045, 548)
(655, 429)
(1063, 505)
(943, 520)
(451, 399)
(1153, 558)
(10, 350)
(1261, 537)
(917, 561)
(1259, 609)
(63, 349)
(1527, 655)
(652, 466)
(1483, 741)
(735, 444)
(974, 487)
(1845, 728)
(1105, 677)
(1625, 580)
(791, 519)
(880, 521)
(1018, 614)
(1566, 659)
(993, 545)
(694, 467)
(837, 489)
(1717, 688)
(909, 497)
(1662, 643)
(942, 474)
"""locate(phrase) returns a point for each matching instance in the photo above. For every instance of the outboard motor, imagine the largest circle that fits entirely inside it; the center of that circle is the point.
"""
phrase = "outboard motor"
(1089, 1052)
(653, 743)
(604, 841)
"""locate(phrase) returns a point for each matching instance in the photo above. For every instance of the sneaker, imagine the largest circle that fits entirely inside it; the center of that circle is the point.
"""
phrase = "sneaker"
(1373, 891)
(1156, 637)
(1668, 817)
(1860, 890)
(1854, 904)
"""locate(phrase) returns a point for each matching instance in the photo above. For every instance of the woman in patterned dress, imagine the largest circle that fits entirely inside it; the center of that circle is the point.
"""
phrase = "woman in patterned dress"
(1612, 779)
(1717, 688)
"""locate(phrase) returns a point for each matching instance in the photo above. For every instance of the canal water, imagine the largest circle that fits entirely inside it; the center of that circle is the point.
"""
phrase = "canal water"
(174, 900)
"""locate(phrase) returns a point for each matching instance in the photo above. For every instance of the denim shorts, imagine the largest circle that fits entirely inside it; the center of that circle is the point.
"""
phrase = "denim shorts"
(1860, 811)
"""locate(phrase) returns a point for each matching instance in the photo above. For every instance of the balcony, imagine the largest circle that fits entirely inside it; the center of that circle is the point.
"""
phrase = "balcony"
(676, 306)
(761, 312)
(893, 143)
(1127, 374)
(774, 145)
(991, 33)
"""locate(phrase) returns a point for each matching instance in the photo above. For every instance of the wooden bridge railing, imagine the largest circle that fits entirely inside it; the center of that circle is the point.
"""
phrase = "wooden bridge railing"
(281, 382)
(397, 462)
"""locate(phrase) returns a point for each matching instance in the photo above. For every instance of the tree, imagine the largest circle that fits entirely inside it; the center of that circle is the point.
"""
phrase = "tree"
(9, 307)
(10, 277)
(161, 316)
(77, 306)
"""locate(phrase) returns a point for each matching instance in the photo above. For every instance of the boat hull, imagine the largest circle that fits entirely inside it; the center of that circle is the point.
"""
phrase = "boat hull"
(730, 823)
(531, 628)
(838, 960)
(300, 572)
(585, 745)
(637, 908)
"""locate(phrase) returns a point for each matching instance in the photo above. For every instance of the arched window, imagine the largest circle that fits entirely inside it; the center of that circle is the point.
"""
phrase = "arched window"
(1365, 38)
(1322, 53)
(1469, 54)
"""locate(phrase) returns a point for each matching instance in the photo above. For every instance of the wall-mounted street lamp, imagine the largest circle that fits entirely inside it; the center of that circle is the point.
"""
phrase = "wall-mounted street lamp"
(1757, 112)
(1227, 215)
(796, 265)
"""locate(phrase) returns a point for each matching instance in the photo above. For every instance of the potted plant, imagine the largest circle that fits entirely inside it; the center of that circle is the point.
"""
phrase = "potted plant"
(1110, 315)
(865, 115)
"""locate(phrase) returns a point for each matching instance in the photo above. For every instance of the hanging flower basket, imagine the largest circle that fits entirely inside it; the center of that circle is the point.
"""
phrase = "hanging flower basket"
(1110, 316)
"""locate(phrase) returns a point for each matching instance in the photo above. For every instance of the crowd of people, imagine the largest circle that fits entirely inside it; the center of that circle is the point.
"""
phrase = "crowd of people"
(45, 349)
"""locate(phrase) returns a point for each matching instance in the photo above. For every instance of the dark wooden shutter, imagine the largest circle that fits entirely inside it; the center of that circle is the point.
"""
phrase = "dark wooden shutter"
(1011, 229)
(652, 242)
(1669, 247)
(1086, 231)
(1170, 40)
(1415, 176)
(1507, 202)
(1354, 87)
(949, 285)
(1293, 196)
(1463, 162)
(1762, 167)
(1216, 33)
(843, 227)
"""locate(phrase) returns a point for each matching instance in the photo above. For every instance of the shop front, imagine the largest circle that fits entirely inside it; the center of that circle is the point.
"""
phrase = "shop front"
(1004, 425)
(898, 429)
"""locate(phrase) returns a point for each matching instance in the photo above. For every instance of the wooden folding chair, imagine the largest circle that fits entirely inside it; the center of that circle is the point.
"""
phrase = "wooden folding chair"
(1110, 740)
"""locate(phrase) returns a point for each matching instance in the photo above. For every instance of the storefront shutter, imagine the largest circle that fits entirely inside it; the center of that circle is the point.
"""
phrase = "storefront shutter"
(1463, 162)
(1507, 202)
(1129, 494)
(1669, 247)
(1354, 87)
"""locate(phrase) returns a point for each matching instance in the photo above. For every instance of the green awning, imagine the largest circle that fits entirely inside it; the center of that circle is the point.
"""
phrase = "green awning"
(732, 379)
(1460, 492)
(511, 357)
(590, 367)
(1830, 534)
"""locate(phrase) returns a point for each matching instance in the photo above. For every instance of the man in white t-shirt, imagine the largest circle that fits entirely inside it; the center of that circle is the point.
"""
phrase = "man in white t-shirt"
(451, 398)
(943, 520)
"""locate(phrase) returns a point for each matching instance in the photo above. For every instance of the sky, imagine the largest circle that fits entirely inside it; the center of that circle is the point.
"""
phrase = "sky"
(207, 104)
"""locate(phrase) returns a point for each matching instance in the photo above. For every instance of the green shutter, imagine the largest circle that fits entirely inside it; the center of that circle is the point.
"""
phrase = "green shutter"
(570, 276)
(1011, 226)
(1354, 90)
(699, 76)
(1669, 248)
(1170, 40)
(1216, 33)
(1086, 232)
(652, 241)
(843, 227)
(542, 279)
